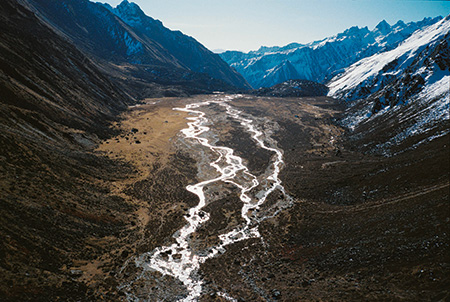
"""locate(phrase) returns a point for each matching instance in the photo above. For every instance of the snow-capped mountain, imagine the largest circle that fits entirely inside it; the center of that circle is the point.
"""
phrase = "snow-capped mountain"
(125, 35)
(408, 85)
(319, 61)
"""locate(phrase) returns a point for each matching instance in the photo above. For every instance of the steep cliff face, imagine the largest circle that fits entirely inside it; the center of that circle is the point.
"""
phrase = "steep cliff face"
(319, 61)
(281, 73)
(94, 29)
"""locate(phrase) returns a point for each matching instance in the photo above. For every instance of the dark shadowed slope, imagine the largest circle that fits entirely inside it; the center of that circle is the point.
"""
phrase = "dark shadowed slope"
(53, 201)
(44, 74)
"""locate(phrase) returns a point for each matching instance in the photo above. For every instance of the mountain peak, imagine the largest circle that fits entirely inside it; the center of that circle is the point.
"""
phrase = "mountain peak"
(383, 24)
(129, 8)
(354, 31)
(383, 27)
(129, 12)
(124, 3)
(400, 23)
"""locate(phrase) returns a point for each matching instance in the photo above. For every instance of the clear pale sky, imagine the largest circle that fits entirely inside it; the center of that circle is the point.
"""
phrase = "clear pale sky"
(248, 24)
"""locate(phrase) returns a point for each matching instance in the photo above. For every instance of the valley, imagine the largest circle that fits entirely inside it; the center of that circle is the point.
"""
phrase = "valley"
(137, 165)
(346, 225)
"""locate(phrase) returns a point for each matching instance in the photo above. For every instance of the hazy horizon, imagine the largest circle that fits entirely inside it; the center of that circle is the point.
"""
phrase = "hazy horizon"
(249, 24)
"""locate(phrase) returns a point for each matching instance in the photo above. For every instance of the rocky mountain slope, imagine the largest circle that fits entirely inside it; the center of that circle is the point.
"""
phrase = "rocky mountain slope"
(364, 227)
(319, 61)
(130, 43)
(408, 85)
(293, 88)
(185, 49)
(55, 107)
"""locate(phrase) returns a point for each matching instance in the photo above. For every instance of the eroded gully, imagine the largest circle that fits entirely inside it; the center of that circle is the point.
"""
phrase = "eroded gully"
(179, 260)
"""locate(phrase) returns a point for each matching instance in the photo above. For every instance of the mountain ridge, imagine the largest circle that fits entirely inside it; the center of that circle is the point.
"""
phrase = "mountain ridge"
(113, 42)
(410, 83)
(320, 60)
(185, 49)
(293, 88)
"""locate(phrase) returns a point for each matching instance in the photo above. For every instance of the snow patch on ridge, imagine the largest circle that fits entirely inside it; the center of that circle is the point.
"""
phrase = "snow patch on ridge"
(371, 66)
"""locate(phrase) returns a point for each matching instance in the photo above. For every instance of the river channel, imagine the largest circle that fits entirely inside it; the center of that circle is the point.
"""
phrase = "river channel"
(179, 260)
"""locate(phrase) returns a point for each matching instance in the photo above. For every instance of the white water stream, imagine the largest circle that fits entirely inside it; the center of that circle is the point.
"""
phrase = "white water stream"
(178, 260)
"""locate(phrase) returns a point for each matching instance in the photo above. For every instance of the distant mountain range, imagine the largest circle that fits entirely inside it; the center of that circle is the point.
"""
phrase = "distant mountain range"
(319, 61)
(395, 80)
